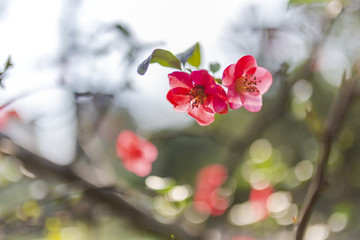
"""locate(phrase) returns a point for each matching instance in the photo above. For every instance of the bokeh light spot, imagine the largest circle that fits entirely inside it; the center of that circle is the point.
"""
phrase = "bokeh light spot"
(179, 193)
(156, 183)
(302, 90)
(243, 214)
(317, 232)
(337, 221)
(304, 170)
(260, 150)
(287, 216)
(279, 201)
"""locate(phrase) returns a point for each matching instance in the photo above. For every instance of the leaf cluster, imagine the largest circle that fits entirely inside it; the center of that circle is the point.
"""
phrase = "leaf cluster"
(165, 58)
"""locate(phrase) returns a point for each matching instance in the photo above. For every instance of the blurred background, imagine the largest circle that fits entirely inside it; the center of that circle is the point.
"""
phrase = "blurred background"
(73, 87)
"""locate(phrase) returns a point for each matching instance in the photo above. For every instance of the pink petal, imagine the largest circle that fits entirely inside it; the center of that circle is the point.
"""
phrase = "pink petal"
(181, 102)
(263, 78)
(203, 117)
(218, 204)
(252, 102)
(258, 199)
(211, 176)
(180, 79)
(243, 65)
(126, 144)
(234, 98)
(140, 168)
(203, 78)
(201, 201)
(150, 152)
(228, 75)
(216, 99)
(225, 111)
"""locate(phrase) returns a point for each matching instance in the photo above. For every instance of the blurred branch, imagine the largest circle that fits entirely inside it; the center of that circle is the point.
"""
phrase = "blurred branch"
(123, 205)
(7, 65)
(318, 184)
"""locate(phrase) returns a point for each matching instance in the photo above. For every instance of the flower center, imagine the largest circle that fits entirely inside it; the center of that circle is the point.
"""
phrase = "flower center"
(197, 96)
(135, 152)
(247, 83)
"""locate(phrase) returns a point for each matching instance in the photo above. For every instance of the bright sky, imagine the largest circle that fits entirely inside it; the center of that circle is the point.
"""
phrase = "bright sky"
(30, 33)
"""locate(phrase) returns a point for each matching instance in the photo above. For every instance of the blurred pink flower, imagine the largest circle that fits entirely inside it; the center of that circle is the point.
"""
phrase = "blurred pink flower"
(197, 94)
(246, 83)
(212, 176)
(258, 199)
(5, 117)
(137, 154)
(207, 198)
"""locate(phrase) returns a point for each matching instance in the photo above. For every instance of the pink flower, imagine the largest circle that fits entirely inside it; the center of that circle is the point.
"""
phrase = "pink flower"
(258, 199)
(197, 94)
(207, 198)
(212, 176)
(246, 83)
(6, 117)
(137, 154)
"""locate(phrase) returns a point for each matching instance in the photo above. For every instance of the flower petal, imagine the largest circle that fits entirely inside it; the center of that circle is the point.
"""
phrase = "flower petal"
(211, 176)
(252, 102)
(203, 78)
(216, 99)
(181, 102)
(126, 144)
(243, 65)
(140, 168)
(150, 152)
(263, 78)
(228, 75)
(180, 79)
(234, 98)
(203, 117)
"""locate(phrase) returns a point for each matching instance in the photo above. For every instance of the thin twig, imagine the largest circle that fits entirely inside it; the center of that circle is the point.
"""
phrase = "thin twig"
(318, 183)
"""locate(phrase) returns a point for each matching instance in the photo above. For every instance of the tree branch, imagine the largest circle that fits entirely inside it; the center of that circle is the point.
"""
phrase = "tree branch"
(318, 183)
(123, 205)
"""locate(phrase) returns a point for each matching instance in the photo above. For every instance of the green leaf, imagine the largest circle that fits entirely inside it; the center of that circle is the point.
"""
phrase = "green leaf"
(124, 30)
(300, 2)
(214, 67)
(161, 56)
(8, 63)
(192, 56)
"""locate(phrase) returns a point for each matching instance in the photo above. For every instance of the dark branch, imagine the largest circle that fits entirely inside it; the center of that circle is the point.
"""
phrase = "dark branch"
(318, 183)
(123, 205)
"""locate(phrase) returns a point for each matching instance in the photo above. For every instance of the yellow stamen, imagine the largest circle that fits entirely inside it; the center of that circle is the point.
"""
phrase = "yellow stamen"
(247, 83)
(197, 96)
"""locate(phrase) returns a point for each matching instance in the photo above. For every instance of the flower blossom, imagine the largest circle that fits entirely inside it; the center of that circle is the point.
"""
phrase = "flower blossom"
(137, 154)
(207, 197)
(246, 83)
(197, 94)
